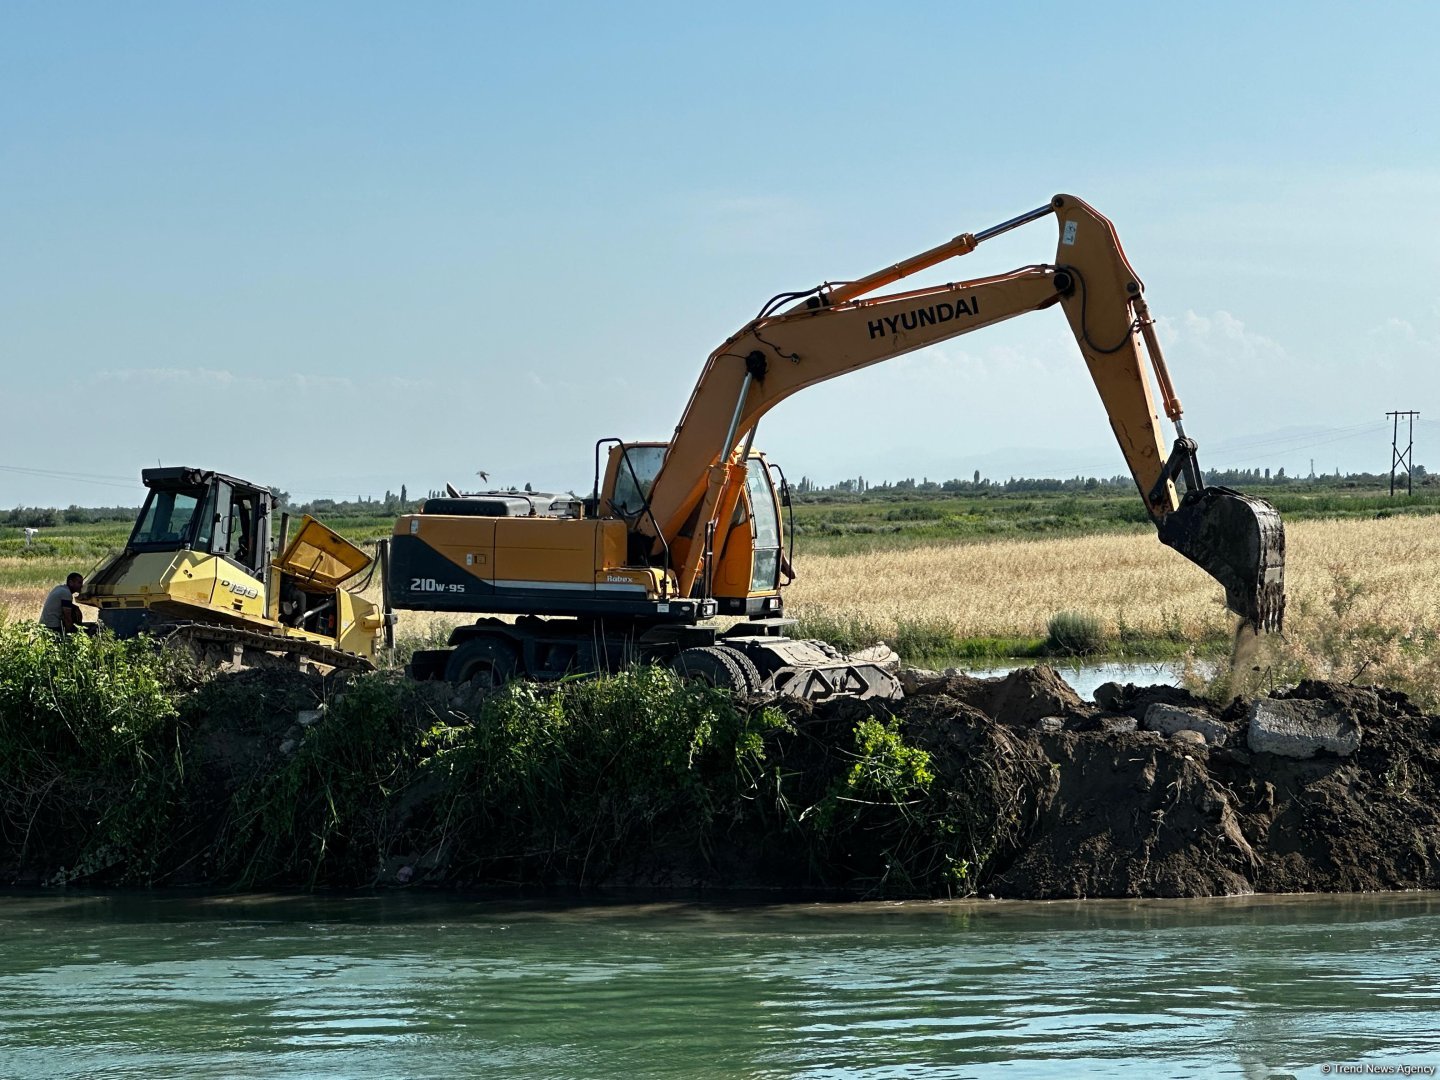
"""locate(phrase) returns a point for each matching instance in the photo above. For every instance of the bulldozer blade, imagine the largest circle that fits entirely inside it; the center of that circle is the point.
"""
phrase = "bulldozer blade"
(1240, 542)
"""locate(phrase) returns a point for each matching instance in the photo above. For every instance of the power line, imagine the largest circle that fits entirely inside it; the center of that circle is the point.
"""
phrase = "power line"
(99, 480)
(1283, 443)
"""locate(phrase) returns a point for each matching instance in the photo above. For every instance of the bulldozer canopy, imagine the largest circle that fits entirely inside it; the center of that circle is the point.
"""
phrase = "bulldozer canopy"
(321, 557)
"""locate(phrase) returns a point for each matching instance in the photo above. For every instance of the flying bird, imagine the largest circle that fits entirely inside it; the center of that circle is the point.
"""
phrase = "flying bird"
(484, 476)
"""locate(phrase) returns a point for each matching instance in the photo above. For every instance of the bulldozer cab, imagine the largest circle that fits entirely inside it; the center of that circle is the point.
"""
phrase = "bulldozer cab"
(200, 510)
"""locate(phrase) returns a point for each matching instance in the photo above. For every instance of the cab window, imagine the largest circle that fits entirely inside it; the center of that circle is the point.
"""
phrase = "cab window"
(632, 491)
(167, 516)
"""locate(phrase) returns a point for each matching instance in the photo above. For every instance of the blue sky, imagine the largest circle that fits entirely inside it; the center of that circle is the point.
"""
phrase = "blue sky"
(338, 248)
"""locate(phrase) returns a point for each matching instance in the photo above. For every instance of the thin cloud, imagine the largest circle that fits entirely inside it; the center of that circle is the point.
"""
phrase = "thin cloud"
(295, 382)
(1220, 341)
(749, 223)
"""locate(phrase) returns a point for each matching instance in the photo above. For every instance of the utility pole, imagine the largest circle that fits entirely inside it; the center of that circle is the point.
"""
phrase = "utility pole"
(1398, 458)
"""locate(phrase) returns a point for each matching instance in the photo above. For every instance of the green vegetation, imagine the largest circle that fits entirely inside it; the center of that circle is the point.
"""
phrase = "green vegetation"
(871, 522)
(73, 547)
(118, 766)
(528, 784)
(925, 643)
(1074, 633)
(88, 760)
(847, 523)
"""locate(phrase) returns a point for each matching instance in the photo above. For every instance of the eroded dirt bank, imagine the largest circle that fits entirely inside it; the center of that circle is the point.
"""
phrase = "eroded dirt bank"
(1322, 788)
(1012, 787)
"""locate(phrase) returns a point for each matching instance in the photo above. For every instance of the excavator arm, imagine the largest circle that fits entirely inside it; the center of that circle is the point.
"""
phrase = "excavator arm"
(837, 329)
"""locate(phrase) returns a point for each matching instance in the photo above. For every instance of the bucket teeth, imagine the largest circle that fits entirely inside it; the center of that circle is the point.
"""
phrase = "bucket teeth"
(1240, 542)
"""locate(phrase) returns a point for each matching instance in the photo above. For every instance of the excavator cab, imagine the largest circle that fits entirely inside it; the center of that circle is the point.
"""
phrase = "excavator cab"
(748, 563)
(743, 564)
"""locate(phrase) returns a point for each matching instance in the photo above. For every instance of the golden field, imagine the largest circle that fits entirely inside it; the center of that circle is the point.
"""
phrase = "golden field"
(1012, 588)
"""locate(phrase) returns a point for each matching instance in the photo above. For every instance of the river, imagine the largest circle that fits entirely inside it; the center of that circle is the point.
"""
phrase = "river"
(117, 985)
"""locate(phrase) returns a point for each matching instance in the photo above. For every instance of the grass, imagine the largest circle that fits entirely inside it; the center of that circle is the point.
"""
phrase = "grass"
(857, 526)
(1073, 633)
(1360, 624)
(1147, 600)
(1138, 591)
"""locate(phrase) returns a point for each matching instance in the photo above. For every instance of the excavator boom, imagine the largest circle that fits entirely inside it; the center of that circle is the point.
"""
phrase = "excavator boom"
(838, 329)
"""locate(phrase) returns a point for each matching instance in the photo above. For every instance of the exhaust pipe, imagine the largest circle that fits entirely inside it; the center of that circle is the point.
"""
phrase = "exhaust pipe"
(1240, 542)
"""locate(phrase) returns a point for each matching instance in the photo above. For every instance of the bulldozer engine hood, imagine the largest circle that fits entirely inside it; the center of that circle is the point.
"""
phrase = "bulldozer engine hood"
(321, 557)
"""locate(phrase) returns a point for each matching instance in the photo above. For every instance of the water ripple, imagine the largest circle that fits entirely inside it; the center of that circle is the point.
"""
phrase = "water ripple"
(443, 988)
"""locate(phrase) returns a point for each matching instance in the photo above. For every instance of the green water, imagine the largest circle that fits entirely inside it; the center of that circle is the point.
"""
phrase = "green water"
(415, 986)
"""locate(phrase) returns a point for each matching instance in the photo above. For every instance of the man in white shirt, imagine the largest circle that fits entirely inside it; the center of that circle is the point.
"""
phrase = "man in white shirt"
(59, 612)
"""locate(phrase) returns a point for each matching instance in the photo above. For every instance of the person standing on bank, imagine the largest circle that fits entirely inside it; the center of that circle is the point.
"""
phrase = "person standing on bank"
(59, 612)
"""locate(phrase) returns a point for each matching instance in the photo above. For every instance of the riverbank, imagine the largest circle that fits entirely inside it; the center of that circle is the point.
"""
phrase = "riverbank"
(117, 772)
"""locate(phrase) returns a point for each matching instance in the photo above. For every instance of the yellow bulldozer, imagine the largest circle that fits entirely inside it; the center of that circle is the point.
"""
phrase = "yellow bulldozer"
(198, 571)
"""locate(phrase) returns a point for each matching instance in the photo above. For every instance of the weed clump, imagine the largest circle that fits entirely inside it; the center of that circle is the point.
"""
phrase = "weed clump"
(1074, 633)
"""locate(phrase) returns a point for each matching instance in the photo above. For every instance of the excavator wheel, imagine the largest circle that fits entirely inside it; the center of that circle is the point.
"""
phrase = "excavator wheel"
(482, 662)
(718, 666)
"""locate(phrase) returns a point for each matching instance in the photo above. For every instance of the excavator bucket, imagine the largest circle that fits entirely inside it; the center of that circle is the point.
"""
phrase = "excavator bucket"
(1240, 542)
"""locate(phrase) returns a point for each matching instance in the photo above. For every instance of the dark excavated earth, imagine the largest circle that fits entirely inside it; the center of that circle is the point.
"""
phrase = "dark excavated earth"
(1147, 791)
(1122, 811)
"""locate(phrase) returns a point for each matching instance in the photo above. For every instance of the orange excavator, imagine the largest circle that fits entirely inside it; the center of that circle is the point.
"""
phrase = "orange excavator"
(677, 533)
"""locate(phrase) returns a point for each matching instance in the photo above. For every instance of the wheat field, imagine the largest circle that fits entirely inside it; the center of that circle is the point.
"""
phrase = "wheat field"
(1012, 588)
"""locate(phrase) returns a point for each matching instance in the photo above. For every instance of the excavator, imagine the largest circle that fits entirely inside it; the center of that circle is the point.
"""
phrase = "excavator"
(677, 533)
(198, 572)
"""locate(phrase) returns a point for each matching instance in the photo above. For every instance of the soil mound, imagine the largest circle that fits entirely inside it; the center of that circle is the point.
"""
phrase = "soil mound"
(1151, 792)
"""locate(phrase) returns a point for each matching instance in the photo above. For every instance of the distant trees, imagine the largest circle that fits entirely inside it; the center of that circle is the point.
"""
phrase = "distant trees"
(47, 517)
(1241, 478)
(807, 488)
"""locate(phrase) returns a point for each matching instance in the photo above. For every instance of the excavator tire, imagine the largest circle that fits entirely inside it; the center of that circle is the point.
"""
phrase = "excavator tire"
(718, 666)
(483, 662)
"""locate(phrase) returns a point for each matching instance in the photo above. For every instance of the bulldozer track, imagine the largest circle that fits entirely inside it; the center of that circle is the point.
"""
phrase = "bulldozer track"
(199, 638)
